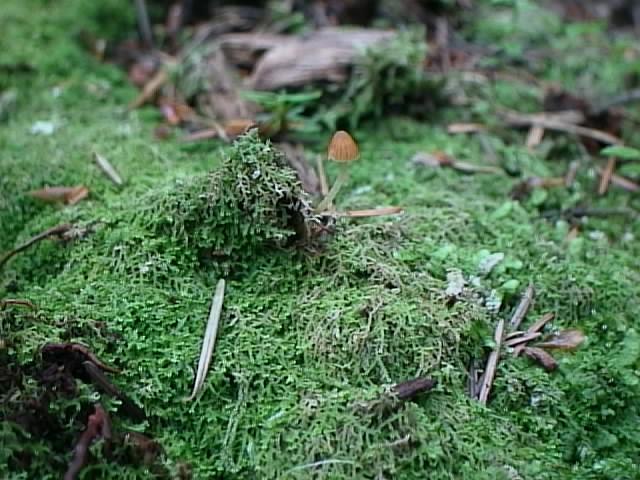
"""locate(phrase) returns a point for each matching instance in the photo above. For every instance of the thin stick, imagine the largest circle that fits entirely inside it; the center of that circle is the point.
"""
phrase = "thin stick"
(492, 363)
(536, 327)
(371, 212)
(107, 169)
(622, 182)
(324, 185)
(551, 123)
(150, 89)
(143, 23)
(571, 174)
(209, 339)
(527, 337)
(534, 137)
(57, 230)
(605, 176)
(522, 308)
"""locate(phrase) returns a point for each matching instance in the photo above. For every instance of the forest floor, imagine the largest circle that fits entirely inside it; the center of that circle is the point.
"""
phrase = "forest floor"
(319, 331)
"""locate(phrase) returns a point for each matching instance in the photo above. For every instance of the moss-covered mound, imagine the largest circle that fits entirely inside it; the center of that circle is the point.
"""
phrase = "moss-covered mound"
(311, 340)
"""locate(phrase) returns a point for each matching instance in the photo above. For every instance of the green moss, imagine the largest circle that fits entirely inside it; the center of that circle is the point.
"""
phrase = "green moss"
(309, 341)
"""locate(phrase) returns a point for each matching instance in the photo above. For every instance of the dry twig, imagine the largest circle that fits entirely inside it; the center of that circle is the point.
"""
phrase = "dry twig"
(372, 212)
(492, 363)
(536, 327)
(51, 232)
(522, 308)
(150, 89)
(605, 176)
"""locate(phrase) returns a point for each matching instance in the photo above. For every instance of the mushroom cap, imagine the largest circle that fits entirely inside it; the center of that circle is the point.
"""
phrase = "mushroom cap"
(342, 148)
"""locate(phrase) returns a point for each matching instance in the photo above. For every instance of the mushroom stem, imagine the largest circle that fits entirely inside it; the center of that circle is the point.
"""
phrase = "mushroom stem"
(343, 176)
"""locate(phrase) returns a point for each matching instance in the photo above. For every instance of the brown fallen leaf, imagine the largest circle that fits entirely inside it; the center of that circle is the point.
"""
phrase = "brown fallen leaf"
(564, 340)
(542, 357)
(67, 195)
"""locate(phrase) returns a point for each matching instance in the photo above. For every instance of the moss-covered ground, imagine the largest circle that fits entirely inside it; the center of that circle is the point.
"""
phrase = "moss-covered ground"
(308, 336)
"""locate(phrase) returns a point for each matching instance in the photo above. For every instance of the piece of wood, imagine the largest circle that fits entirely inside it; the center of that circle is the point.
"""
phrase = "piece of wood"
(522, 308)
(492, 364)
(209, 339)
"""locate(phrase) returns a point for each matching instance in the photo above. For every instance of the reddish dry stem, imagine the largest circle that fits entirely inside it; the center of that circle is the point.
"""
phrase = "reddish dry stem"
(54, 231)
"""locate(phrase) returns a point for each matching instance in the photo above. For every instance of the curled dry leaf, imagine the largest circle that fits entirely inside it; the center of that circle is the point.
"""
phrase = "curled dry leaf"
(564, 340)
(542, 357)
(67, 195)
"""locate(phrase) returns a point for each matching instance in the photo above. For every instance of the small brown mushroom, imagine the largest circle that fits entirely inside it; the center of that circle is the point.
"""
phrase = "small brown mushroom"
(343, 150)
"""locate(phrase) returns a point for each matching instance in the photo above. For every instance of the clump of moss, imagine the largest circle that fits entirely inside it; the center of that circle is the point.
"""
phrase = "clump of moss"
(254, 199)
